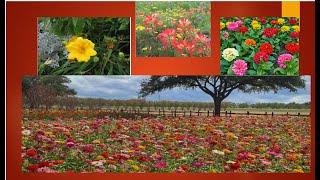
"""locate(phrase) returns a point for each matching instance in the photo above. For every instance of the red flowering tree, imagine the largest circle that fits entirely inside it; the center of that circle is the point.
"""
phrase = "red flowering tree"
(220, 87)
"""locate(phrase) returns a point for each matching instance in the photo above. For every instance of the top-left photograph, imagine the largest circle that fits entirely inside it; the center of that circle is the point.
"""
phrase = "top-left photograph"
(84, 46)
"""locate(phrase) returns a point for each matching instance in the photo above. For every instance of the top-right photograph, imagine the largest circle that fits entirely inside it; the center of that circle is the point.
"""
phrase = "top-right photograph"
(259, 46)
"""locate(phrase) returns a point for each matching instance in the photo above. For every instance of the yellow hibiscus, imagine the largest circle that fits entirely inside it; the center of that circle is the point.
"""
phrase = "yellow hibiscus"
(81, 49)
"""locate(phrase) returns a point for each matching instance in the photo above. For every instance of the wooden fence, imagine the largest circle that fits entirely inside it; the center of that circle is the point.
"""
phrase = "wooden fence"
(175, 113)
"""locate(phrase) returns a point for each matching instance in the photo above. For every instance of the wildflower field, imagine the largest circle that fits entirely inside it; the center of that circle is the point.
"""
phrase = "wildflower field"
(77, 46)
(259, 46)
(173, 29)
(56, 141)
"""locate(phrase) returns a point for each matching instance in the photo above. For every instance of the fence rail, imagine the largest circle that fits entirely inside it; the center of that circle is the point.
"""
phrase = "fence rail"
(175, 113)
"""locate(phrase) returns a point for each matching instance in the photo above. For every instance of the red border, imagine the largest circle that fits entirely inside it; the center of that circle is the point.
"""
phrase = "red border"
(22, 60)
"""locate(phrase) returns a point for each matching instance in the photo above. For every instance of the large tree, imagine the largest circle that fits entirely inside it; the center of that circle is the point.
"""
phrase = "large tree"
(43, 90)
(220, 87)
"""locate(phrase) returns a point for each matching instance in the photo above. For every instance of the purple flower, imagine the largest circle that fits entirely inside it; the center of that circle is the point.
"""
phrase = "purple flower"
(197, 164)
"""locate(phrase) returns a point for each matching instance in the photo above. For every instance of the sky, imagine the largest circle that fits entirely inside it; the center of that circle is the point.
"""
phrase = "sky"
(127, 87)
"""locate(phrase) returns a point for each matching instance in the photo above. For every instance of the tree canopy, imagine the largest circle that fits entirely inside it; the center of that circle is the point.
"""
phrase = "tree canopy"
(220, 87)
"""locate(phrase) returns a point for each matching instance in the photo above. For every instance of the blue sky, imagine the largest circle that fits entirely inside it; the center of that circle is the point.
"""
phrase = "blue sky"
(127, 87)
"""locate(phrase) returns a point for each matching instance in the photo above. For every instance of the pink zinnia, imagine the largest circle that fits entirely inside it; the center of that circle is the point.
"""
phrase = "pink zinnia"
(226, 35)
(239, 67)
(197, 164)
(70, 144)
(233, 26)
(239, 22)
(160, 164)
(284, 58)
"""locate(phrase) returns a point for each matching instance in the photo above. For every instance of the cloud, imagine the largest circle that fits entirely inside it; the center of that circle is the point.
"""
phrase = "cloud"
(127, 87)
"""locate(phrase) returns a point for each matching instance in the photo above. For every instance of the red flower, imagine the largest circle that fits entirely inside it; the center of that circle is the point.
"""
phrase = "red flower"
(105, 154)
(292, 47)
(45, 164)
(270, 32)
(32, 168)
(266, 47)
(294, 35)
(263, 21)
(292, 21)
(243, 29)
(274, 22)
(260, 55)
(234, 166)
(31, 153)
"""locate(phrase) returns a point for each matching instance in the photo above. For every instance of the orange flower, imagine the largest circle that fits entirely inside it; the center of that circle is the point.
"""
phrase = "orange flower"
(185, 167)
(111, 161)
(59, 161)
(250, 42)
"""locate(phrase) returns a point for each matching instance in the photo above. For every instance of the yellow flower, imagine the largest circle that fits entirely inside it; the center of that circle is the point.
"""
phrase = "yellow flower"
(131, 151)
(256, 26)
(159, 49)
(167, 134)
(222, 25)
(144, 49)
(164, 26)
(135, 167)
(140, 28)
(226, 151)
(97, 141)
(141, 147)
(285, 28)
(297, 156)
(48, 133)
(281, 21)
(262, 149)
(81, 49)
(179, 29)
(179, 36)
(277, 137)
(230, 136)
(227, 23)
(296, 28)
(60, 142)
(297, 171)
(254, 22)
(99, 157)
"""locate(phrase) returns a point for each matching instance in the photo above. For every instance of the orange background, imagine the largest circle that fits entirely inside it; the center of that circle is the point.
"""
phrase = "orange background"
(21, 60)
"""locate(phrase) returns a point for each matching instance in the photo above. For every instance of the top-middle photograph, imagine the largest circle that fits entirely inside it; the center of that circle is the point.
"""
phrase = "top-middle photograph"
(173, 29)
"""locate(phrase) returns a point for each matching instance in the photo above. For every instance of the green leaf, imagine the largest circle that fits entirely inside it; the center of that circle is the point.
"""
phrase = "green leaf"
(251, 72)
(272, 59)
(255, 66)
(74, 21)
(230, 72)
(281, 70)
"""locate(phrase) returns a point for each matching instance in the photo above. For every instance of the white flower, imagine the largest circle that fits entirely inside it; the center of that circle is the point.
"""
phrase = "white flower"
(230, 54)
(97, 163)
(26, 132)
(218, 152)
(231, 162)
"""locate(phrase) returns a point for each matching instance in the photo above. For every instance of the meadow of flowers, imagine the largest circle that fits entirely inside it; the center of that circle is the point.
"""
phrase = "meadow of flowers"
(77, 46)
(173, 29)
(259, 46)
(91, 141)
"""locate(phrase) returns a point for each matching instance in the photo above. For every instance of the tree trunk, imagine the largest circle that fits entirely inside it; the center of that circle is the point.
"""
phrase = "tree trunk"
(217, 107)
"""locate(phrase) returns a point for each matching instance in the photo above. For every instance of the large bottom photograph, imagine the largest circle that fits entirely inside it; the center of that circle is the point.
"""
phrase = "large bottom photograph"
(173, 124)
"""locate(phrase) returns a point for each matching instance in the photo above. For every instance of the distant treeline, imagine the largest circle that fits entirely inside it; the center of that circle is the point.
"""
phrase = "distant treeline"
(72, 102)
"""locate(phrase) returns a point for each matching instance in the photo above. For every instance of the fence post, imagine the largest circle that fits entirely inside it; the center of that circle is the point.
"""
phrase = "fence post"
(164, 114)
(159, 112)
(229, 113)
(198, 112)
(298, 114)
(138, 111)
(190, 113)
(213, 114)
(175, 113)
(184, 113)
(148, 112)
(287, 114)
(226, 113)
(272, 114)
(248, 113)
(208, 113)
(266, 113)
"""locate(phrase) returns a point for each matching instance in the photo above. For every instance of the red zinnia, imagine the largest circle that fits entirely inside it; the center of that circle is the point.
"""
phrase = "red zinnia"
(294, 34)
(292, 21)
(31, 153)
(292, 47)
(268, 32)
(260, 55)
(263, 21)
(32, 167)
(243, 29)
(274, 22)
(105, 154)
(275, 30)
(266, 47)
(234, 166)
